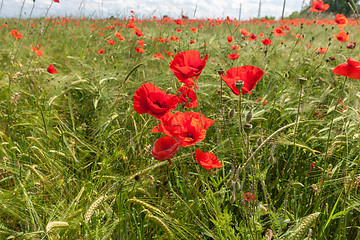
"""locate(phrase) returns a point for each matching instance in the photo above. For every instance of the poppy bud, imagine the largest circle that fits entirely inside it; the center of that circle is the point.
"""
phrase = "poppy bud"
(231, 113)
(169, 90)
(302, 80)
(248, 128)
(248, 116)
(220, 71)
(239, 84)
(229, 183)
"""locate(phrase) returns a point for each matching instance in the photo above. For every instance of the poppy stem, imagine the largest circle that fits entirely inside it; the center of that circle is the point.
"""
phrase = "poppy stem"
(240, 122)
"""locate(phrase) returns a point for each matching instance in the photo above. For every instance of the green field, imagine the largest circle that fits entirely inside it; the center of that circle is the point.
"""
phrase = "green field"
(76, 157)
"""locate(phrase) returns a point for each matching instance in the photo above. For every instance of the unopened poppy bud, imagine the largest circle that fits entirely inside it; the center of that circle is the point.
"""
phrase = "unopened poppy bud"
(239, 84)
(248, 128)
(231, 113)
(302, 80)
(248, 116)
(220, 71)
(229, 183)
(169, 90)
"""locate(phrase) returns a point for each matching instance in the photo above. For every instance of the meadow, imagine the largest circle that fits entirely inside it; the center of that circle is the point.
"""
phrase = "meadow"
(77, 158)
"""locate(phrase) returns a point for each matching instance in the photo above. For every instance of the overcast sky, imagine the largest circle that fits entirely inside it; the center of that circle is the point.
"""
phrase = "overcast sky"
(148, 8)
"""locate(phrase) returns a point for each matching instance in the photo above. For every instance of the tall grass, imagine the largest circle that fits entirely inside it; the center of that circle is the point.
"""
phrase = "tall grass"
(75, 156)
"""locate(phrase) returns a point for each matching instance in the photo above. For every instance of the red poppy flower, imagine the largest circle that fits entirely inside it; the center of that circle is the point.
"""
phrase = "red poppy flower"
(266, 41)
(233, 56)
(56, 1)
(158, 56)
(101, 51)
(235, 47)
(165, 148)
(279, 31)
(178, 21)
(16, 34)
(139, 50)
(229, 39)
(342, 36)
(119, 35)
(351, 45)
(187, 66)
(321, 50)
(38, 51)
(252, 37)
(194, 29)
(319, 6)
(51, 69)
(111, 42)
(152, 100)
(350, 69)
(249, 196)
(341, 20)
(188, 96)
(207, 159)
(245, 32)
(249, 74)
(138, 32)
(188, 127)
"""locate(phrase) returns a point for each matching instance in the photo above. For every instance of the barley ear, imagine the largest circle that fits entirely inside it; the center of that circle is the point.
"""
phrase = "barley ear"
(56, 224)
(92, 208)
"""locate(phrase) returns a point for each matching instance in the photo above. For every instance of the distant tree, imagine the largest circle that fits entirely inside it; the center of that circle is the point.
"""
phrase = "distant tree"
(341, 6)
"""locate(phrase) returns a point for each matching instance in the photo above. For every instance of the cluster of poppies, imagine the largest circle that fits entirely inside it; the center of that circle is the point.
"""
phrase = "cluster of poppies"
(186, 129)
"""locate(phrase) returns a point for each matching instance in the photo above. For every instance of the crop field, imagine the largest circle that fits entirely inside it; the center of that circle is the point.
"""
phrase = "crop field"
(164, 128)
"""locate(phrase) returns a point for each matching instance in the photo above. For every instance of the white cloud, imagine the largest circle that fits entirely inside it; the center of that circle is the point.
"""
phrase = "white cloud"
(144, 8)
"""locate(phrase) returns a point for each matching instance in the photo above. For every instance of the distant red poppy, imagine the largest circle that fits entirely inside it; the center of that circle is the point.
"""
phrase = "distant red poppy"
(178, 21)
(279, 31)
(319, 6)
(152, 100)
(207, 159)
(139, 50)
(158, 56)
(194, 29)
(266, 41)
(342, 36)
(249, 196)
(351, 45)
(188, 127)
(38, 51)
(101, 51)
(119, 35)
(235, 47)
(56, 1)
(245, 32)
(138, 32)
(191, 41)
(321, 50)
(16, 34)
(350, 69)
(233, 56)
(188, 96)
(250, 75)
(187, 66)
(165, 148)
(51, 69)
(341, 20)
(252, 37)
(141, 42)
(229, 39)
(111, 42)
